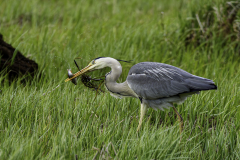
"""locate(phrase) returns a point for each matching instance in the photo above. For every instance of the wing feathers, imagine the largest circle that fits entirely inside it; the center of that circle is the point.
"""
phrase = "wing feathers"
(152, 80)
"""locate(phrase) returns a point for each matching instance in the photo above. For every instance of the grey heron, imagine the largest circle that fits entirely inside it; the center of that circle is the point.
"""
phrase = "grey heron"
(156, 85)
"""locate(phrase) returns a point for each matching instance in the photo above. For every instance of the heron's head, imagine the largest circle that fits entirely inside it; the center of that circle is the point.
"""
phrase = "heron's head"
(97, 63)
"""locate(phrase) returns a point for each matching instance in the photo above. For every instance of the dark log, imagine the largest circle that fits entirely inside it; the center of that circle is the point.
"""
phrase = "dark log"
(15, 65)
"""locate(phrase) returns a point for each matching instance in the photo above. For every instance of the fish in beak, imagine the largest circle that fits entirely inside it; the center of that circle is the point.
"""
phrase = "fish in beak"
(70, 75)
(84, 70)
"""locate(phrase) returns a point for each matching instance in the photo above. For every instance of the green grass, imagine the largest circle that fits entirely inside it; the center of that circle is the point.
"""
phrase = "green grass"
(51, 119)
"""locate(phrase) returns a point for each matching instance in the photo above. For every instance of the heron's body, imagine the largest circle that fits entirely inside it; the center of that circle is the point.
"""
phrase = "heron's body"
(157, 85)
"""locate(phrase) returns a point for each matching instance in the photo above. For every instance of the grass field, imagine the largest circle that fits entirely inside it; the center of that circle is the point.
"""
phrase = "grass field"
(51, 119)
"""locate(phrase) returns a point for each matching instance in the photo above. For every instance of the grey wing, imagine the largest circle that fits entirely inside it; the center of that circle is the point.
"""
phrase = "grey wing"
(151, 80)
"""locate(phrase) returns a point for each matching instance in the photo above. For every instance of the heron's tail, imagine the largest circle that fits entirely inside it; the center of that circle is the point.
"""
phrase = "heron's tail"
(199, 84)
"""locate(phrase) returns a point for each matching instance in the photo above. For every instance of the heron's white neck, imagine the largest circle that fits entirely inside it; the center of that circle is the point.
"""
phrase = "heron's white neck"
(116, 70)
(121, 89)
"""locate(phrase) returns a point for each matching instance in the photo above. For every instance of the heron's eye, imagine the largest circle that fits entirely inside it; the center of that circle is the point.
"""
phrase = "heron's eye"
(92, 62)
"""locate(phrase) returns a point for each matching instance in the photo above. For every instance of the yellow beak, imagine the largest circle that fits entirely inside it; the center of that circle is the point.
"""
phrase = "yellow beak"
(84, 70)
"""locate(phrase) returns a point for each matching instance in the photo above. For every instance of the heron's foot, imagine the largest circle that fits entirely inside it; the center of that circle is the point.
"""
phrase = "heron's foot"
(180, 119)
(139, 126)
(143, 111)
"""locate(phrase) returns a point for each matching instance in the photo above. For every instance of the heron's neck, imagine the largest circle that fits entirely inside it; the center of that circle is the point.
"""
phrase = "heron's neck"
(117, 88)
(116, 71)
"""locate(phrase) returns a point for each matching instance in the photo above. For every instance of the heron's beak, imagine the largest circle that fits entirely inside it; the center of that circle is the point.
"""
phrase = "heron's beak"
(84, 70)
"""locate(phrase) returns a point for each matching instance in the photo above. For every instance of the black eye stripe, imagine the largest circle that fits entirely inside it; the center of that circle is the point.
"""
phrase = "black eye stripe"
(98, 58)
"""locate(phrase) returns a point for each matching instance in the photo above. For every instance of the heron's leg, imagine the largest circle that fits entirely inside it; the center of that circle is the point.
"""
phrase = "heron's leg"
(180, 119)
(143, 111)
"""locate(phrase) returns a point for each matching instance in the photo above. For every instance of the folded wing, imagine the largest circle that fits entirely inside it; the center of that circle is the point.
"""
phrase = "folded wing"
(151, 80)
